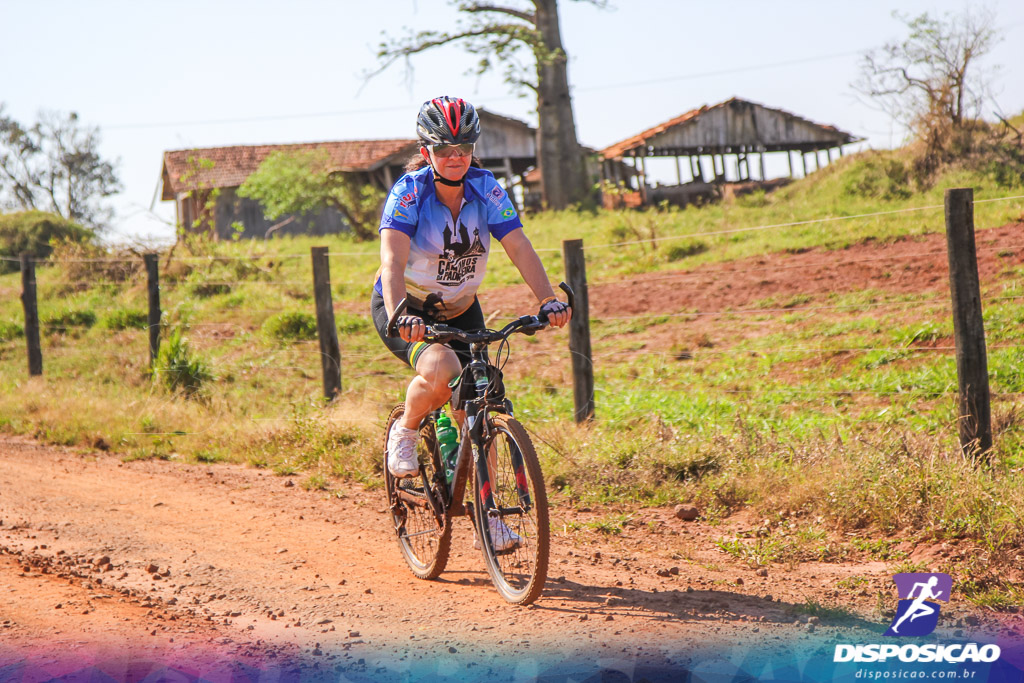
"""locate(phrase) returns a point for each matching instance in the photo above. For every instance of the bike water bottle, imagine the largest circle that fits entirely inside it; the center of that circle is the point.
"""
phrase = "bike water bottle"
(448, 443)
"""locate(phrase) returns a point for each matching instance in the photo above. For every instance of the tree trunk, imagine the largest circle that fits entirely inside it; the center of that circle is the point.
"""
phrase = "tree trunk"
(558, 152)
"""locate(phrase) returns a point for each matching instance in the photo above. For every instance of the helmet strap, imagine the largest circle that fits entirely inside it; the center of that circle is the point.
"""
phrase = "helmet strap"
(450, 183)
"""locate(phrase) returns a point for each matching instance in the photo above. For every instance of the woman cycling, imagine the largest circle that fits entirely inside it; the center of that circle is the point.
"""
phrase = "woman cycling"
(436, 234)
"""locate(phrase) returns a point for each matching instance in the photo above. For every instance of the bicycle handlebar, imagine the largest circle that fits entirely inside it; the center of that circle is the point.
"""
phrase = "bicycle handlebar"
(439, 333)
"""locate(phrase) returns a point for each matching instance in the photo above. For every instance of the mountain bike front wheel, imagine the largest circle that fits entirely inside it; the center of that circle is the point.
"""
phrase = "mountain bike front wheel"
(416, 506)
(518, 561)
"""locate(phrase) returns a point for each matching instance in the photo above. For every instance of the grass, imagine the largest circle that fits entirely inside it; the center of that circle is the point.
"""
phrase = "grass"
(837, 419)
(611, 526)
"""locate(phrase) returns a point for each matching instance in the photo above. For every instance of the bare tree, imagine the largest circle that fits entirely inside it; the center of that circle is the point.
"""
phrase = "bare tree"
(511, 37)
(55, 166)
(931, 80)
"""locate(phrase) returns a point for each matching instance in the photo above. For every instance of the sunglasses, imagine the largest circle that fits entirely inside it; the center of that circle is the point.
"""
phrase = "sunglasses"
(445, 151)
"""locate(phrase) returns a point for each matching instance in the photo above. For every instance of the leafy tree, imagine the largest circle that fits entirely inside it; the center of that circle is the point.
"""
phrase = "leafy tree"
(511, 37)
(55, 166)
(36, 232)
(931, 79)
(304, 183)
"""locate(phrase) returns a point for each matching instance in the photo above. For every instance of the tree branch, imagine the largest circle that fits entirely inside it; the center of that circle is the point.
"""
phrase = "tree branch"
(414, 44)
(472, 7)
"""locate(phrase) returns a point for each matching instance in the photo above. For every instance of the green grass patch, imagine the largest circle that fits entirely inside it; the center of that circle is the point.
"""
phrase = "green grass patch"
(126, 319)
(291, 326)
(10, 330)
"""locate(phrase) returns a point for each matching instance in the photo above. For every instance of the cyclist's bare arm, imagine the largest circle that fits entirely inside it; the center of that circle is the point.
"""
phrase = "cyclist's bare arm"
(522, 254)
(394, 255)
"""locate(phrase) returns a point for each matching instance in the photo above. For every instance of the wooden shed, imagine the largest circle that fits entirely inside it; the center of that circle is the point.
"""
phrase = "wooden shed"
(507, 147)
(190, 175)
(718, 143)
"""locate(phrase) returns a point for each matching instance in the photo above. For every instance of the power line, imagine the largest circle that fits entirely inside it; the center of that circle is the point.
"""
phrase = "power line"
(720, 72)
(379, 110)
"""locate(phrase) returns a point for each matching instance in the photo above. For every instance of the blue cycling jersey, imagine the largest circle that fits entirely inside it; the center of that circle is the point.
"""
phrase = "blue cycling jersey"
(447, 262)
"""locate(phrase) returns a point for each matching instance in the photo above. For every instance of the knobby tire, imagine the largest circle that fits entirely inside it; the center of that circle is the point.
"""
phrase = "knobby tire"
(424, 545)
(518, 574)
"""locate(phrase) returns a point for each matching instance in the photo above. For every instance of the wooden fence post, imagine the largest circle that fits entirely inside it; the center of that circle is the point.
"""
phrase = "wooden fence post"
(153, 321)
(330, 352)
(579, 331)
(975, 418)
(28, 302)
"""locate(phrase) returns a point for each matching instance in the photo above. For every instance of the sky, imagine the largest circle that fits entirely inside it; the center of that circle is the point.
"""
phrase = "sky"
(158, 75)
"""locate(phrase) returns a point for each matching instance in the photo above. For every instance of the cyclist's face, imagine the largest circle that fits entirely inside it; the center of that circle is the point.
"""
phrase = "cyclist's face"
(451, 167)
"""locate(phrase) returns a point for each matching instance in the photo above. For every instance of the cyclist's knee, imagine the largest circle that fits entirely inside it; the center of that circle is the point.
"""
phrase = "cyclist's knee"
(438, 365)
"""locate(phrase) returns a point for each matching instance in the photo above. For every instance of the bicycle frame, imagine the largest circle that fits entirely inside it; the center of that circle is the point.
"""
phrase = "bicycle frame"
(474, 441)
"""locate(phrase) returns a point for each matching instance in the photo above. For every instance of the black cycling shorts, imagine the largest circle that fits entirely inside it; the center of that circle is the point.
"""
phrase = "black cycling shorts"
(472, 319)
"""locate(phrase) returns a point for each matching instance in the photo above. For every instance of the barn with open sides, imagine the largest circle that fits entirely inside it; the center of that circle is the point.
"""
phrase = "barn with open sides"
(714, 145)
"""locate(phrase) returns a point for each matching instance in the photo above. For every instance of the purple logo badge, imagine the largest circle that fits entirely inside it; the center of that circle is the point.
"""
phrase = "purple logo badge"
(496, 195)
(917, 614)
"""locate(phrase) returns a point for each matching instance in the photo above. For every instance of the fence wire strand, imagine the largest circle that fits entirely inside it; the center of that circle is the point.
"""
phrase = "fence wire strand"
(802, 266)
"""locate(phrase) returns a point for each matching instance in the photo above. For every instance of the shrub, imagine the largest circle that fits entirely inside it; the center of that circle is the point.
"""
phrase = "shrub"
(291, 325)
(677, 252)
(178, 369)
(33, 232)
(69, 321)
(350, 323)
(84, 264)
(125, 319)
(10, 330)
(205, 290)
(879, 177)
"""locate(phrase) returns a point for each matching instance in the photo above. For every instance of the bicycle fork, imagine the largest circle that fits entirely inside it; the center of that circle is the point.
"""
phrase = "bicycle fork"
(483, 471)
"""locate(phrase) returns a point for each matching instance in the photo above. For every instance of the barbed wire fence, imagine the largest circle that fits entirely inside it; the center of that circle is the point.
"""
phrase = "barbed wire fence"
(974, 386)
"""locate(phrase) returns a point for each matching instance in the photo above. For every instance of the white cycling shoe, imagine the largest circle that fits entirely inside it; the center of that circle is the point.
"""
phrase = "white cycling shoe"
(502, 538)
(402, 460)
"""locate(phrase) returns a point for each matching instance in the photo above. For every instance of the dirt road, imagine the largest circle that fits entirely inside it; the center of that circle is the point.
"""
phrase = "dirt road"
(225, 567)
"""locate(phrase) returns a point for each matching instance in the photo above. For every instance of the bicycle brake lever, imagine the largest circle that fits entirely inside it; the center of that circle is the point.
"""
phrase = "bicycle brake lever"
(569, 294)
(392, 328)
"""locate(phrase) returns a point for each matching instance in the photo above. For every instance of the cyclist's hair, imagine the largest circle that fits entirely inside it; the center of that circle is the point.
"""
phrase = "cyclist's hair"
(416, 162)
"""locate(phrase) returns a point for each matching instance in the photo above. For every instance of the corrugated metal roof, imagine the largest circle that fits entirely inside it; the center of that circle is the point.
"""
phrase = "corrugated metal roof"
(640, 139)
(232, 165)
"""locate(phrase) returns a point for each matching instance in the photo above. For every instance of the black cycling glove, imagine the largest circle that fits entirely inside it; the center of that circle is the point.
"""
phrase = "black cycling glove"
(553, 306)
(408, 322)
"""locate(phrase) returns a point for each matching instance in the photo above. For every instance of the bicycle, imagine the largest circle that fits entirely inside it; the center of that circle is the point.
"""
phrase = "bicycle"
(496, 453)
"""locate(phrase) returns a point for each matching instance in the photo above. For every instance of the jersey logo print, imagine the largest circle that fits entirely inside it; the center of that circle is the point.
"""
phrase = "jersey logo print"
(458, 261)
(496, 195)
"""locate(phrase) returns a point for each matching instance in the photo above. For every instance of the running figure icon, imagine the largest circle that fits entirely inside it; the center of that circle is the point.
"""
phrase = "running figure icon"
(920, 608)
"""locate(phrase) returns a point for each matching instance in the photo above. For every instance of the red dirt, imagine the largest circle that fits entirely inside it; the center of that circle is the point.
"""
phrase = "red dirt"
(905, 266)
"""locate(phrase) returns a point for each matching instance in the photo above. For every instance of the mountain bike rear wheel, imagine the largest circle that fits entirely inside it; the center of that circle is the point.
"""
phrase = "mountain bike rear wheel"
(416, 506)
(516, 487)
